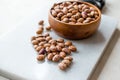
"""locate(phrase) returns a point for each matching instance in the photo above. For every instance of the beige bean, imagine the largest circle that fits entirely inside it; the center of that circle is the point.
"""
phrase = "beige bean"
(80, 20)
(66, 50)
(68, 58)
(86, 21)
(57, 7)
(41, 22)
(74, 12)
(59, 48)
(66, 20)
(47, 45)
(33, 38)
(35, 46)
(48, 38)
(57, 10)
(53, 48)
(50, 56)
(62, 66)
(48, 28)
(69, 7)
(38, 48)
(48, 49)
(62, 54)
(68, 43)
(54, 13)
(76, 7)
(69, 15)
(63, 17)
(67, 62)
(46, 34)
(41, 43)
(39, 31)
(61, 45)
(53, 42)
(34, 42)
(73, 48)
(40, 39)
(56, 58)
(54, 53)
(68, 3)
(65, 10)
(40, 57)
(60, 14)
(60, 40)
(72, 20)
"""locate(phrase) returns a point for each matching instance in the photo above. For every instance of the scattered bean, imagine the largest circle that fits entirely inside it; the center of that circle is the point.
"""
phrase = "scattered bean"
(40, 57)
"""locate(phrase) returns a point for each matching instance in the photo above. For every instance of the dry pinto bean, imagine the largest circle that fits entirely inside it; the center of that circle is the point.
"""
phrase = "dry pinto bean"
(35, 46)
(38, 48)
(72, 19)
(47, 45)
(62, 66)
(48, 38)
(50, 56)
(65, 20)
(67, 62)
(66, 50)
(53, 42)
(42, 43)
(80, 20)
(33, 38)
(41, 22)
(40, 57)
(69, 15)
(48, 28)
(63, 17)
(39, 31)
(73, 48)
(60, 40)
(48, 49)
(46, 34)
(54, 13)
(62, 54)
(53, 48)
(65, 10)
(61, 44)
(68, 58)
(60, 14)
(68, 43)
(57, 10)
(56, 58)
(34, 42)
(59, 48)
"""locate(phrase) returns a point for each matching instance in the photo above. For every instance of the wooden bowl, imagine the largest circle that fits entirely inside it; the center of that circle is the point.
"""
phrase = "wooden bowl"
(75, 31)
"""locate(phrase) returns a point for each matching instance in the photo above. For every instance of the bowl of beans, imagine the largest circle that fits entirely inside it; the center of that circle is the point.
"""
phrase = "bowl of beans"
(74, 19)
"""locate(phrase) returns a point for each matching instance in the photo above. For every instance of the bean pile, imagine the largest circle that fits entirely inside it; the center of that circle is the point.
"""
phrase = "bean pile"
(74, 12)
(55, 50)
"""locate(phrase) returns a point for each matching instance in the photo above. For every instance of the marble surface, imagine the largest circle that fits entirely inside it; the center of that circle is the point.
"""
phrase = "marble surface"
(14, 12)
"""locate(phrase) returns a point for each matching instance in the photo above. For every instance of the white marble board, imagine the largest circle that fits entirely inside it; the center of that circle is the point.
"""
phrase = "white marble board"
(18, 58)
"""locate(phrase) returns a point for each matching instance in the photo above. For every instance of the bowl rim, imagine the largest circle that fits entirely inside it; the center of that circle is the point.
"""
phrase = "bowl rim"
(99, 12)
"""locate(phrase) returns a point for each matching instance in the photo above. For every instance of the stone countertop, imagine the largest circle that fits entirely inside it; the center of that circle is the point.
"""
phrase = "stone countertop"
(14, 12)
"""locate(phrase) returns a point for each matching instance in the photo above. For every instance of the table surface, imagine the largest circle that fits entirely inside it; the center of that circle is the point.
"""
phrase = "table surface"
(14, 12)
